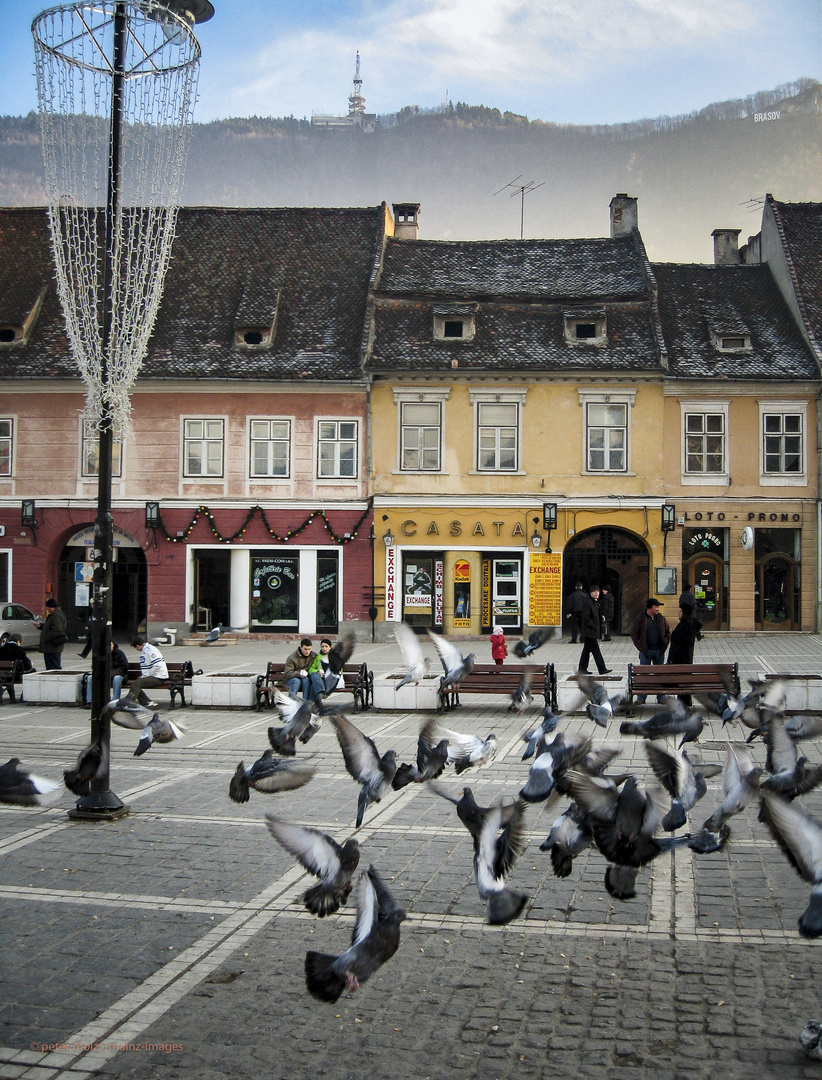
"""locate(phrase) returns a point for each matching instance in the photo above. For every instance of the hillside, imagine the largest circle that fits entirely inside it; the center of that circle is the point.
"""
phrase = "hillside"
(691, 174)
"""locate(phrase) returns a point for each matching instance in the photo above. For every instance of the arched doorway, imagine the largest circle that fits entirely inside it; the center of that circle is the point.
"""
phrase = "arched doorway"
(613, 557)
(775, 580)
(704, 572)
(130, 584)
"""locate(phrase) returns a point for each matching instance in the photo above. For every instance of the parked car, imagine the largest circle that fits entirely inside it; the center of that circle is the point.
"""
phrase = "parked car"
(16, 619)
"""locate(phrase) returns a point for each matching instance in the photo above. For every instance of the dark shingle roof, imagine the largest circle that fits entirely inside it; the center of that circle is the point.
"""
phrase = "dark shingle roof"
(801, 228)
(694, 300)
(507, 269)
(223, 260)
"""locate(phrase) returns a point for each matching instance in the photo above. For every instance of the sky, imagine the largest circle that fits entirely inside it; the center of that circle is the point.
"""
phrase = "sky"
(567, 61)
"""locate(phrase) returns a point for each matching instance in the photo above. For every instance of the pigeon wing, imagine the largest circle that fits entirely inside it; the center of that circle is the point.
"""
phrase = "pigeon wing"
(362, 759)
(799, 836)
(314, 850)
(449, 654)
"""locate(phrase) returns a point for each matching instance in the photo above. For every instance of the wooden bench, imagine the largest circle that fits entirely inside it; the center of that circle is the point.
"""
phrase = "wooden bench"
(357, 680)
(179, 677)
(671, 679)
(8, 677)
(500, 679)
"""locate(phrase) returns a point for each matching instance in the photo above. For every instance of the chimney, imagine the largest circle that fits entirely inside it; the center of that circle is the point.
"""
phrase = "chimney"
(726, 247)
(406, 220)
(623, 215)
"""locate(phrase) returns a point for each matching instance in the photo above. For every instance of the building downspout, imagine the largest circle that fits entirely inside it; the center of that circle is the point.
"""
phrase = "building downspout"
(818, 620)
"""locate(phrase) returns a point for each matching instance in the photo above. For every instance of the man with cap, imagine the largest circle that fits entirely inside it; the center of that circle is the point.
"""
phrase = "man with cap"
(590, 632)
(651, 635)
(574, 603)
(53, 636)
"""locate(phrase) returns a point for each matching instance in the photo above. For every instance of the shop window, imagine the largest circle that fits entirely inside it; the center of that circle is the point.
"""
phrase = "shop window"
(203, 447)
(270, 448)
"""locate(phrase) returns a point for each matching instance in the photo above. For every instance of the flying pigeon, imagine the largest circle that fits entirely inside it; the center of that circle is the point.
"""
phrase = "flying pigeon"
(375, 939)
(536, 638)
(622, 820)
(467, 750)
(683, 781)
(531, 738)
(341, 652)
(300, 721)
(321, 855)
(804, 727)
(91, 762)
(675, 719)
(432, 757)
(455, 665)
(416, 665)
(471, 814)
(158, 730)
(791, 775)
(522, 698)
(494, 858)
(740, 782)
(569, 836)
(133, 713)
(800, 839)
(268, 774)
(601, 707)
(22, 788)
(363, 761)
(551, 759)
(810, 1039)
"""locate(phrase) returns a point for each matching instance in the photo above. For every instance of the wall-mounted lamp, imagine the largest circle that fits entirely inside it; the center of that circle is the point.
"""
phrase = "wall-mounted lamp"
(388, 539)
(549, 521)
(536, 539)
(668, 517)
(27, 517)
(152, 515)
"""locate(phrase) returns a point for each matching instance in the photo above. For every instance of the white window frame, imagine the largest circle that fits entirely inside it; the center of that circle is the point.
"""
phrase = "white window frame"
(269, 477)
(783, 479)
(7, 440)
(337, 441)
(478, 398)
(413, 396)
(205, 440)
(587, 398)
(90, 453)
(468, 326)
(717, 479)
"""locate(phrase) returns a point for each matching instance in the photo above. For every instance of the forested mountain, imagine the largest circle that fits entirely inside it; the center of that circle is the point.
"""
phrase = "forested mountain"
(691, 173)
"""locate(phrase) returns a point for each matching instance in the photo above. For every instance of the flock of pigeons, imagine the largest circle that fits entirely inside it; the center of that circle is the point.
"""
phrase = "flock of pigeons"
(630, 824)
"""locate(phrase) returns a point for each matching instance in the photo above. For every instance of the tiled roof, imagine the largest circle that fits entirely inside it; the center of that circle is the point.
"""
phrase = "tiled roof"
(801, 228)
(223, 261)
(511, 337)
(507, 269)
(695, 300)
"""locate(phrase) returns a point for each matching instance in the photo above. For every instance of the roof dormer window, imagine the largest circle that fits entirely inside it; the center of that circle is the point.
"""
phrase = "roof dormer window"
(256, 317)
(586, 327)
(455, 322)
(732, 343)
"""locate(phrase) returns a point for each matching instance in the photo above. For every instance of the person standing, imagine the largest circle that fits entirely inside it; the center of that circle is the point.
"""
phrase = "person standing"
(87, 647)
(53, 636)
(590, 632)
(153, 672)
(651, 635)
(574, 604)
(499, 650)
(684, 636)
(606, 608)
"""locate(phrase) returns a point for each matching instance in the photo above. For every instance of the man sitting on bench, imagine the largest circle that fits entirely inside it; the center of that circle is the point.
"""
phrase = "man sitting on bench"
(153, 672)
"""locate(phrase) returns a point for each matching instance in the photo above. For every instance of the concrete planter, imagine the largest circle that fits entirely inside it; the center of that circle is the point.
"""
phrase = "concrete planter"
(224, 689)
(803, 692)
(407, 698)
(61, 687)
(571, 699)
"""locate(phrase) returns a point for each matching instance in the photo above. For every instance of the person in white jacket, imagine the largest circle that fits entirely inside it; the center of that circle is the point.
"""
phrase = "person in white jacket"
(153, 672)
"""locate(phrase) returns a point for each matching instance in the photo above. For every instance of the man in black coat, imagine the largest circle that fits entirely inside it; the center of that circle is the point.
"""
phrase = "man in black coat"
(606, 609)
(574, 603)
(53, 636)
(590, 632)
(12, 649)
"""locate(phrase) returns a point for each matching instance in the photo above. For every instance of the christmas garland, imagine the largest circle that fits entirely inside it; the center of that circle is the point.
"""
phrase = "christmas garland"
(203, 511)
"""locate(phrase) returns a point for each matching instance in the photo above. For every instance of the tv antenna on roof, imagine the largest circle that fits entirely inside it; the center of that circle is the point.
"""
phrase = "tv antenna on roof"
(522, 190)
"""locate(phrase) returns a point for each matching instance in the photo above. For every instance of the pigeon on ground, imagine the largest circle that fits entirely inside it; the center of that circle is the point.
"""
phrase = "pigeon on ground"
(416, 665)
(522, 698)
(321, 855)
(22, 788)
(158, 730)
(791, 775)
(675, 719)
(740, 783)
(570, 835)
(375, 939)
(536, 638)
(363, 761)
(552, 759)
(268, 774)
(600, 708)
(467, 750)
(300, 721)
(432, 757)
(455, 665)
(804, 727)
(91, 762)
(494, 858)
(800, 838)
(810, 1039)
(213, 637)
(531, 738)
(683, 781)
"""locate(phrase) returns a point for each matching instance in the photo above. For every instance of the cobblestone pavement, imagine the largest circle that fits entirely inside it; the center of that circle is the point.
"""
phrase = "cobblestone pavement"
(174, 939)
